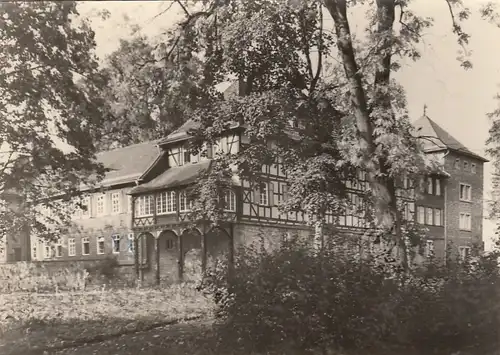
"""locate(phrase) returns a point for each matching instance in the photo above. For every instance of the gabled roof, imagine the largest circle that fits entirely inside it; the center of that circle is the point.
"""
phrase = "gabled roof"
(174, 177)
(128, 163)
(435, 138)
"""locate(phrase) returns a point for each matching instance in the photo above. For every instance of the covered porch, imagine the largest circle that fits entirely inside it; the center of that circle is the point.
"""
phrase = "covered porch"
(177, 253)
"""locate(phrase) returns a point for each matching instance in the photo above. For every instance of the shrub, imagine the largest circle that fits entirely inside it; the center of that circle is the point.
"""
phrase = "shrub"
(293, 297)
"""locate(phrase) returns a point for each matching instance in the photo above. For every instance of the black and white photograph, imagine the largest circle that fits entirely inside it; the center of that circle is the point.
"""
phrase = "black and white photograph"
(250, 177)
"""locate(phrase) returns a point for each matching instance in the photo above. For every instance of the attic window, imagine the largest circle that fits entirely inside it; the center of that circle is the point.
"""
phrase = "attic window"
(466, 165)
(457, 163)
(187, 155)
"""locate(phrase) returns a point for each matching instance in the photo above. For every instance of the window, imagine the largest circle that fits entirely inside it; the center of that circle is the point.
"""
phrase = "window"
(169, 244)
(131, 243)
(473, 168)
(421, 215)
(437, 217)
(466, 165)
(165, 203)
(115, 202)
(457, 163)
(430, 186)
(85, 246)
(465, 192)
(84, 210)
(464, 252)
(71, 247)
(47, 251)
(264, 200)
(116, 244)
(59, 249)
(429, 216)
(185, 204)
(100, 245)
(144, 206)
(438, 187)
(429, 248)
(100, 204)
(187, 155)
(230, 201)
(465, 221)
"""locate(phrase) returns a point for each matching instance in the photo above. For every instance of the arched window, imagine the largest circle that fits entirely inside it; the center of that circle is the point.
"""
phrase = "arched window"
(230, 201)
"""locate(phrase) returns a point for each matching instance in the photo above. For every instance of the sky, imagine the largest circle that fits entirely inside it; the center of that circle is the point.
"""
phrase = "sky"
(456, 99)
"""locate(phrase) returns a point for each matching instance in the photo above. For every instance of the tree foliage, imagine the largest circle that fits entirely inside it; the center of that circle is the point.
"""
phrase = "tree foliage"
(285, 55)
(47, 118)
(148, 95)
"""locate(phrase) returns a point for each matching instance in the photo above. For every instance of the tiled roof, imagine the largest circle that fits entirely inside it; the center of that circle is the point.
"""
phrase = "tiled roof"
(435, 138)
(174, 177)
(127, 163)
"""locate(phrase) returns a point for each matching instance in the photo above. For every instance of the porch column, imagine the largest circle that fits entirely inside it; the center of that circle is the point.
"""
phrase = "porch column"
(136, 255)
(180, 258)
(142, 246)
(157, 253)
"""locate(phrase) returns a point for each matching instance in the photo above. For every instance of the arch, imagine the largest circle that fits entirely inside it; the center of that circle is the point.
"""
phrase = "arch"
(146, 246)
(168, 256)
(168, 240)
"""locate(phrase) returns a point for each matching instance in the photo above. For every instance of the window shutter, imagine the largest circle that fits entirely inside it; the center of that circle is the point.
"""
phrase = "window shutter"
(256, 194)
(271, 193)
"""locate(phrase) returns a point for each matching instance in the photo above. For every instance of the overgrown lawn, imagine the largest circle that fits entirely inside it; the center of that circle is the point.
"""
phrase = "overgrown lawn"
(30, 321)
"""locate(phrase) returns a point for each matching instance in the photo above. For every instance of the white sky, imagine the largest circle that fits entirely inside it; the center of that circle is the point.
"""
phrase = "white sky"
(458, 100)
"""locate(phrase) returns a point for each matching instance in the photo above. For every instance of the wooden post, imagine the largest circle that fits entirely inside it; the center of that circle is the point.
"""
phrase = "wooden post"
(180, 258)
(142, 246)
(136, 255)
(157, 250)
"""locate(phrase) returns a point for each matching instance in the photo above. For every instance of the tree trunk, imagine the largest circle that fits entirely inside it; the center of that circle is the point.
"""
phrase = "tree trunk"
(383, 189)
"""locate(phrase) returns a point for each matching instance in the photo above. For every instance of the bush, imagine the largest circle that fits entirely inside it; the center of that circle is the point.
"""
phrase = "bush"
(292, 297)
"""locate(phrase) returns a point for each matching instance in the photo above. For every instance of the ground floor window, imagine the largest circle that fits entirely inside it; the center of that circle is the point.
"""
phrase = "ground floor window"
(85, 246)
(100, 245)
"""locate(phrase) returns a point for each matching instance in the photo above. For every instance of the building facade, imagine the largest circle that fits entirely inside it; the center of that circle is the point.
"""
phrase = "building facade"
(139, 213)
(451, 208)
(101, 225)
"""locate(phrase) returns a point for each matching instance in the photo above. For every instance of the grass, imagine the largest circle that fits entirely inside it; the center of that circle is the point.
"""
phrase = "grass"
(37, 321)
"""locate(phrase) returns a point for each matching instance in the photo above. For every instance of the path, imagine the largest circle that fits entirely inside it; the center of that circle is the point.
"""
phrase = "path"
(186, 338)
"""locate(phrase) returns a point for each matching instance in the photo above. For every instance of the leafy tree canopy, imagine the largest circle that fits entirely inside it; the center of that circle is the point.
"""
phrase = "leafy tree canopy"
(337, 87)
(47, 117)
